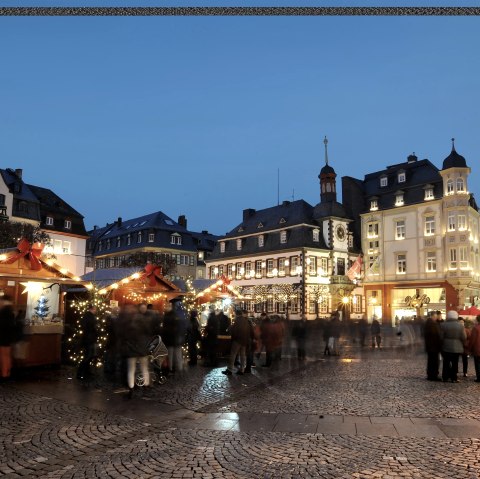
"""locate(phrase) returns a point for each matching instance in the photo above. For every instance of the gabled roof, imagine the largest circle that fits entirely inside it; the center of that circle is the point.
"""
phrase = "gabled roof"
(52, 205)
(25, 193)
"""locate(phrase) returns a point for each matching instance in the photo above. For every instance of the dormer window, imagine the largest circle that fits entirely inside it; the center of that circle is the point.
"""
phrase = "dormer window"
(240, 229)
(222, 247)
(261, 241)
(283, 237)
(129, 240)
(316, 235)
(383, 181)
(119, 242)
(175, 239)
(373, 205)
(239, 244)
(68, 225)
(460, 185)
(399, 199)
(429, 193)
(151, 237)
(49, 221)
(139, 237)
(402, 177)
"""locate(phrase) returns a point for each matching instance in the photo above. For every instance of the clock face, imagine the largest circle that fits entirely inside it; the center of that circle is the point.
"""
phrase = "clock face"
(340, 232)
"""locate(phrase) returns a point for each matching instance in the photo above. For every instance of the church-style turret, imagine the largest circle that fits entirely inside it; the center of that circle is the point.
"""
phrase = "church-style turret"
(328, 187)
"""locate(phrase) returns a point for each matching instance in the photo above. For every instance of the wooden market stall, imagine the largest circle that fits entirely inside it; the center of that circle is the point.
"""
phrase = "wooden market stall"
(35, 284)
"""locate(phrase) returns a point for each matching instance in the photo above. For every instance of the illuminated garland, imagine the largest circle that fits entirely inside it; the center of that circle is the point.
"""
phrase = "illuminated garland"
(189, 299)
(80, 307)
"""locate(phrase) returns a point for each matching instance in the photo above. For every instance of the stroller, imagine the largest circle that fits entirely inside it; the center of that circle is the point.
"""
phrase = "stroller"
(157, 353)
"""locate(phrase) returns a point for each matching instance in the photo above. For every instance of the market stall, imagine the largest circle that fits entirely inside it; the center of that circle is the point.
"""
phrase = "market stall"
(35, 283)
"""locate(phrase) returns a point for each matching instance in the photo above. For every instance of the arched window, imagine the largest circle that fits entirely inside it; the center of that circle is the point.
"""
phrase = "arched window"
(449, 187)
(460, 184)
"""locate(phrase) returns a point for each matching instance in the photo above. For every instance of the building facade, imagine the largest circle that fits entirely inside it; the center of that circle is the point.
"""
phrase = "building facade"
(292, 258)
(25, 203)
(419, 231)
(114, 245)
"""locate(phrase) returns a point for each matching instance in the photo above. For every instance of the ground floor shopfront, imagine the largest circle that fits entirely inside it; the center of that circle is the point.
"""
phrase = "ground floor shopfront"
(391, 302)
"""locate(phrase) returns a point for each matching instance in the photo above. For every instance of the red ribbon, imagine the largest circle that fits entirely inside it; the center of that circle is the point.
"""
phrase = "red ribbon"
(33, 251)
(152, 271)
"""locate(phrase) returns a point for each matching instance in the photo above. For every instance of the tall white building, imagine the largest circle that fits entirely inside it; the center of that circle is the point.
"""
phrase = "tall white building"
(419, 230)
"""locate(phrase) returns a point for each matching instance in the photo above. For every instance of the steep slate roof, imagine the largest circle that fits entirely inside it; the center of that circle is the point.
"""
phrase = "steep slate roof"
(23, 193)
(52, 205)
(103, 278)
(159, 223)
(417, 175)
(296, 214)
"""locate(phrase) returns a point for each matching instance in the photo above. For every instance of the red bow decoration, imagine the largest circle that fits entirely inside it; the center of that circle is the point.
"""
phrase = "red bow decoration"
(152, 271)
(223, 287)
(33, 251)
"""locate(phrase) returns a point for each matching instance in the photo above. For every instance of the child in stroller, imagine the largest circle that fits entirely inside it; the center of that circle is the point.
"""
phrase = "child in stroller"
(157, 353)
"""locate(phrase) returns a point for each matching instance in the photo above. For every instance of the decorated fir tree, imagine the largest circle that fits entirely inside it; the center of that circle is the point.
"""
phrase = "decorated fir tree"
(42, 308)
(80, 306)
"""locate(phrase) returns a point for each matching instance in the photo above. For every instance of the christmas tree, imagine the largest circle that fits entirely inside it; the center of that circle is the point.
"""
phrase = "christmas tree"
(80, 306)
(42, 308)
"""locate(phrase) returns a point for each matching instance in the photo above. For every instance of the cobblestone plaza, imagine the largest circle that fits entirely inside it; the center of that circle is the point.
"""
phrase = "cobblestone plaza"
(364, 414)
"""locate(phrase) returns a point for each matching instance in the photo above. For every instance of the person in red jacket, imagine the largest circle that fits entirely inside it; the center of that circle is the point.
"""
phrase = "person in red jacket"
(474, 347)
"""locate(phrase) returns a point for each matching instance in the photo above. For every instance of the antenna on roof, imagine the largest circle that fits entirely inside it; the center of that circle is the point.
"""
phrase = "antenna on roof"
(278, 186)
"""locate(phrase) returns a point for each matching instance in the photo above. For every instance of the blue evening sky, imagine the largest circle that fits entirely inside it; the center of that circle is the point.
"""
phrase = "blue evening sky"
(193, 115)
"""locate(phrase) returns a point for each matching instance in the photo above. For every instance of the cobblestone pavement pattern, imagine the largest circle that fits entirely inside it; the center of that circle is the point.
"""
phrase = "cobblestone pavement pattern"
(365, 414)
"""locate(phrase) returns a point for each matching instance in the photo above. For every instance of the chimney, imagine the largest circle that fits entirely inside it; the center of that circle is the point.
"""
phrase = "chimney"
(119, 222)
(285, 203)
(95, 227)
(182, 221)
(18, 172)
(204, 232)
(248, 213)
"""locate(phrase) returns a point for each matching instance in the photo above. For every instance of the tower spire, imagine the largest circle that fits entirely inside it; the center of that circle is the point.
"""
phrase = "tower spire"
(453, 144)
(325, 142)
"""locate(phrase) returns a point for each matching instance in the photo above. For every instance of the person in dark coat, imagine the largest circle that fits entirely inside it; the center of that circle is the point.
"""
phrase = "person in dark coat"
(135, 336)
(7, 335)
(111, 345)
(326, 337)
(299, 333)
(88, 341)
(193, 336)
(376, 333)
(211, 339)
(241, 332)
(362, 330)
(174, 329)
(433, 346)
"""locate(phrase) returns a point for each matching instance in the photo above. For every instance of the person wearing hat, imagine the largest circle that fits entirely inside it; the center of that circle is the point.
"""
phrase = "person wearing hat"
(453, 339)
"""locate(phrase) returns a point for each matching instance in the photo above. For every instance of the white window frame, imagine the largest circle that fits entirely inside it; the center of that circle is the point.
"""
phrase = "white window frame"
(461, 222)
(261, 241)
(67, 225)
(58, 246)
(429, 225)
(258, 269)
(248, 269)
(460, 183)
(463, 256)
(452, 264)
(151, 237)
(323, 268)
(383, 181)
(402, 177)
(283, 237)
(49, 221)
(239, 244)
(431, 262)
(450, 187)
(230, 270)
(373, 205)
(129, 239)
(222, 246)
(372, 229)
(312, 267)
(316, 235)
(399, 199)
(401, 263)
(294, 263)
(429, 194)
(400, 229)
(270, 265)
(451, 222)
(281, 267)
(139, 237)
(118, 242)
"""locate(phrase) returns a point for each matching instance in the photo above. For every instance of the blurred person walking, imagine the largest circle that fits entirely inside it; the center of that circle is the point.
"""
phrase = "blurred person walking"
(193, 336)
(376, 333)
(474, 346)
(241, 332)
(210, 343)
(433, 346)
(453, 339)
(174, 329)
(7, 336)
(299, 333)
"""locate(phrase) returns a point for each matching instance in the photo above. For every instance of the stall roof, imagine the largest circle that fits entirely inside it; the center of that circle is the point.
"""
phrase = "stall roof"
(103, 278)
